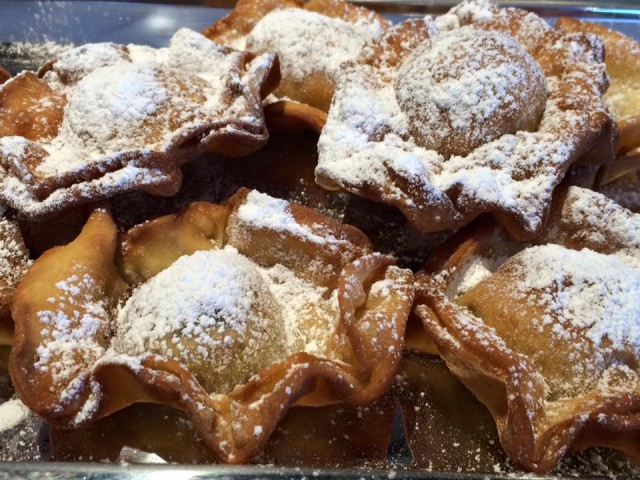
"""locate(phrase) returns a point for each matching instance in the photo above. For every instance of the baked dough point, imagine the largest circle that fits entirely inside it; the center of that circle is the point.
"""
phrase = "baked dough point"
(213, 312)
(468, 87)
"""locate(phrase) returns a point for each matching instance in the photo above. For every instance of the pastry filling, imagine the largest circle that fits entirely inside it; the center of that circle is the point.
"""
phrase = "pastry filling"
(468, 87)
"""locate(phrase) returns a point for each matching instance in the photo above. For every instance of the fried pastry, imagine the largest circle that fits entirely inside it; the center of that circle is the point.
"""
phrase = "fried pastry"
(312, 41)
(480, 111)
(625, 191)
(104, 118)
(232, 313)
(14, 261)
(623, 66)
(546, 336)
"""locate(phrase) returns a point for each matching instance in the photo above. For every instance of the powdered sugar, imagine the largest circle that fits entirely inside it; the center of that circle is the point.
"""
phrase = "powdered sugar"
(307, 42)
(589, 291)
(468, 87)
(71, 334)
(591, 219)
(107, 112)
(14, 257)
(124, 98)
(12, 413)
(130, 107)
(588, 304)
(310, 313)
(368, 130)
(207, 310)
(217, 312)
(263, 211)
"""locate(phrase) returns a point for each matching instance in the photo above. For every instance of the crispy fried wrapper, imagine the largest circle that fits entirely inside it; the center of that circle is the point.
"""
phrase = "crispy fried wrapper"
(623, 66)
(14, 262)
(232, 313)
(406, 130)
(623, 96)
(545, 336)
(312, 39)
(102, 119)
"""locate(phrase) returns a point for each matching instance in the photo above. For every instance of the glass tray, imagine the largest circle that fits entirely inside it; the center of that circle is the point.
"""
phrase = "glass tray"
(25, 27)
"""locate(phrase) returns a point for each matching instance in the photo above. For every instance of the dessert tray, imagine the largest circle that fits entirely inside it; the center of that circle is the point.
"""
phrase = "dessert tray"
(309, 238)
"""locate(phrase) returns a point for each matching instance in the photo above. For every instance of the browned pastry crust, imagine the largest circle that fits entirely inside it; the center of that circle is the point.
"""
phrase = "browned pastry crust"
(369, 146)
(289, 116)
(57, 150)
(623, 98)
(14, 261)
(85, 382)
(623, 66)
(548, 392)
(316, 87)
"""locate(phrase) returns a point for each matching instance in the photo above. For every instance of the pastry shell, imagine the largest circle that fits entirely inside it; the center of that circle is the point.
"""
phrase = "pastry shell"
(367, 146)
(510, 365)
(362, 353)
(102, 119)
(623, 67)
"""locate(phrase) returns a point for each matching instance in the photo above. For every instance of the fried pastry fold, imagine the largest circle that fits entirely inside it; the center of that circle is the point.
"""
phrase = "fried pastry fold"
(232, 313)
(313, 39)
(482, 110)
(14, 262)
(546, 335)
(101, 119)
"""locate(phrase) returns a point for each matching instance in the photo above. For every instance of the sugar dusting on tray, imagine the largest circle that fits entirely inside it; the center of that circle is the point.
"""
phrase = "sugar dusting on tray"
(12, 413)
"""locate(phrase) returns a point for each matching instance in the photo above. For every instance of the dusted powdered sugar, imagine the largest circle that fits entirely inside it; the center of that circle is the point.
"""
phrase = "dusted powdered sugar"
(591, 219)
(225, 317)
(594, 293)
(468, 87)
(78, 62)
(127, 98)
(217, 312)
(14, 257)
(310, 313)
(208, 298)
(106, 112)
(369, 139)
(131, 102)
(263, 211)
(12, 413)
(212, 311)
(475, 270)
(71, 333)
(308, 42)
(588, 301)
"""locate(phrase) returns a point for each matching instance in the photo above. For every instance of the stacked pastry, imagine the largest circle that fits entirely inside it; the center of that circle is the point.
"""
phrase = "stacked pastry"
(475, 126)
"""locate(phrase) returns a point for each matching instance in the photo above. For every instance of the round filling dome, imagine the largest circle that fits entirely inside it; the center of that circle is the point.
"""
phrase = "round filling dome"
(213, 312)
(127, 106)
(468, 87)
